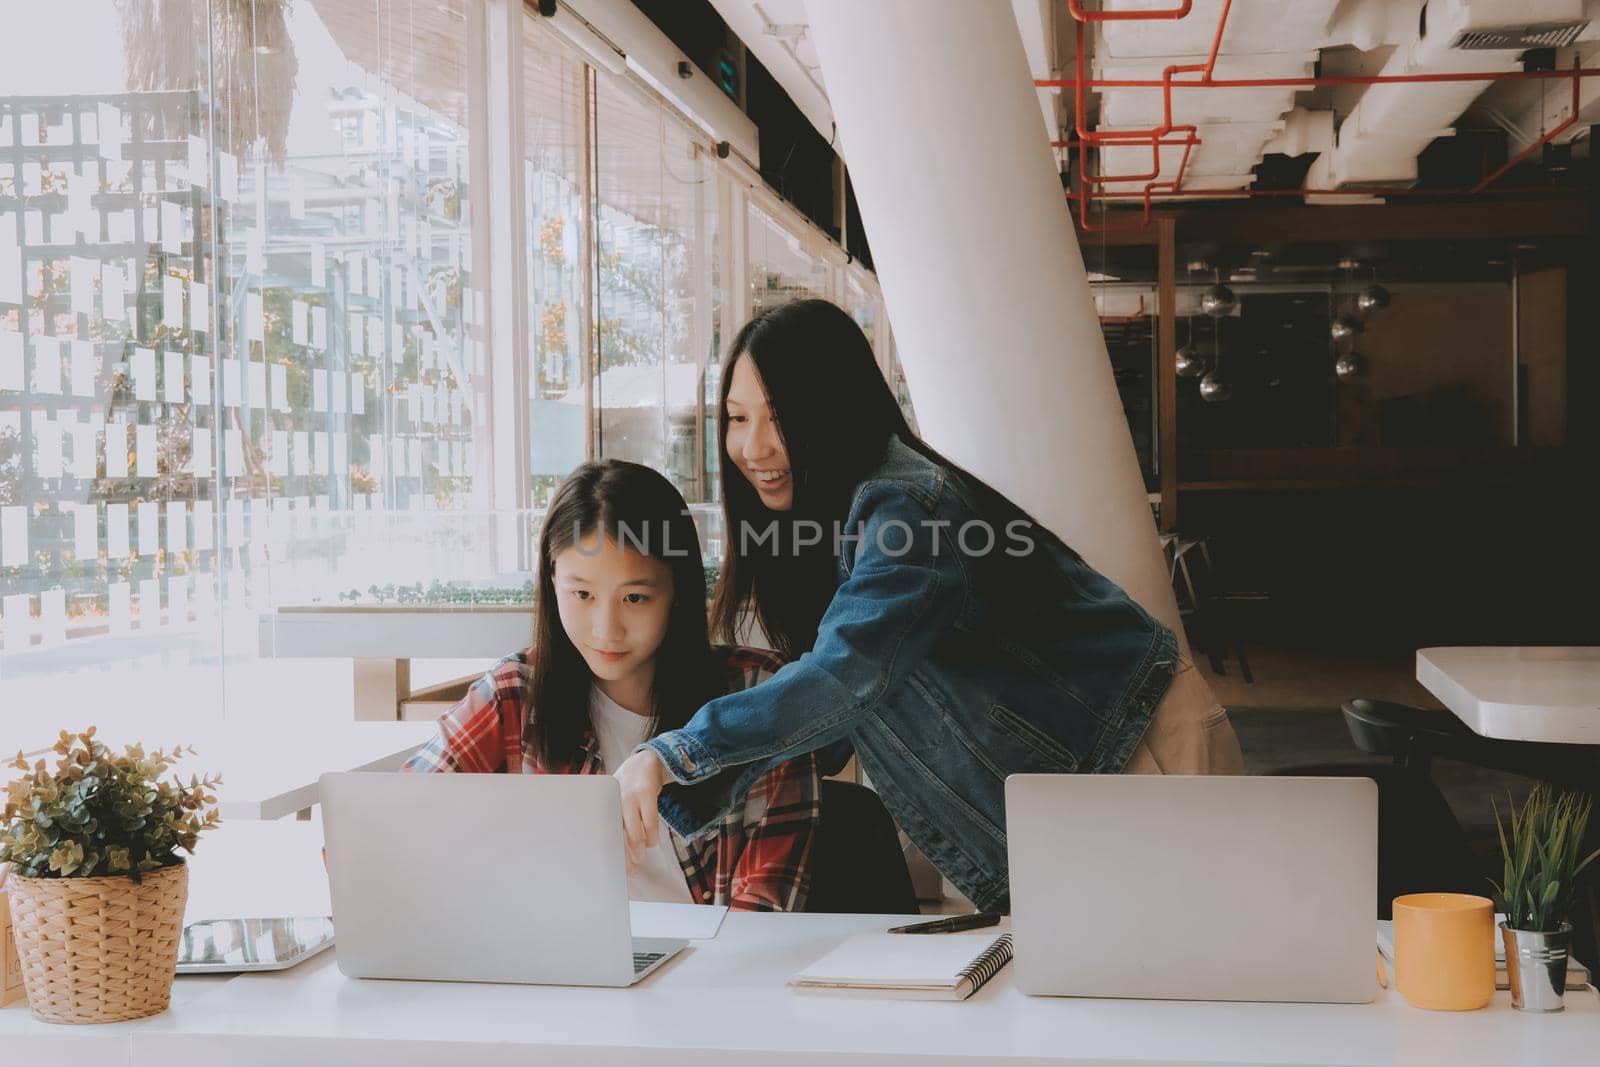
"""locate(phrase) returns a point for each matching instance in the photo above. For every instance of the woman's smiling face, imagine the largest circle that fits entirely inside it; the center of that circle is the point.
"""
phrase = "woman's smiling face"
(754, 444)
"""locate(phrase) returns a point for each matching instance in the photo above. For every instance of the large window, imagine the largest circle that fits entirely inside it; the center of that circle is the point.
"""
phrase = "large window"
(784, 263)
(655, 235)
(553, 177)
(250, 354)
(240, 363)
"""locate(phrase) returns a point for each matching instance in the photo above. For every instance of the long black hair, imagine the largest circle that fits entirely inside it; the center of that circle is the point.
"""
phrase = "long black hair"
(836, 415)
(633, 505)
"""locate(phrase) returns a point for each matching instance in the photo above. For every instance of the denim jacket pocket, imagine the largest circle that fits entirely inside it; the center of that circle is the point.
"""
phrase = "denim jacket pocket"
(1035, 738)
(1031, 662)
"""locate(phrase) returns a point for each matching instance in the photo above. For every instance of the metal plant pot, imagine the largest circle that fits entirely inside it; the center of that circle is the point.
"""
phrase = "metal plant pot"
(1536, 964)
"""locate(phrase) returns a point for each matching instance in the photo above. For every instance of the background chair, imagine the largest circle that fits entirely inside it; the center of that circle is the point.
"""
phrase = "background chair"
(857, 864)
(1414, 737)
(1210, 613)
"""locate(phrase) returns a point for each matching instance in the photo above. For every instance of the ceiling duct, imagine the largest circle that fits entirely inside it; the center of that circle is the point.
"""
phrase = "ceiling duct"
(1544, 35)
(1390, 125)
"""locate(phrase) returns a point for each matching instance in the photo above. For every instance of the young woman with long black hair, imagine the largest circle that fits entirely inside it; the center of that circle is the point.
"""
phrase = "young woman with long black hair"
(620, 653)
(932, 623)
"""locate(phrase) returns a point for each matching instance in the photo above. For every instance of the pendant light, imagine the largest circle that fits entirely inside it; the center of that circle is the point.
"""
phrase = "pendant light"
(1214, 388)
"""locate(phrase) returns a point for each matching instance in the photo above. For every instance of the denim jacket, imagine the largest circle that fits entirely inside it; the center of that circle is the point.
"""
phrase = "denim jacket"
(947, 667)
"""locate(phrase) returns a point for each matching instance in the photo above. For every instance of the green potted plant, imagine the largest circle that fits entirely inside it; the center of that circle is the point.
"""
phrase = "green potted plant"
(97, 886)
(1543, 857)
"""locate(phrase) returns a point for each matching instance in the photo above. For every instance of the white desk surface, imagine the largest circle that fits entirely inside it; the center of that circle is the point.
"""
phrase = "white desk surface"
(726, 1002)
(240, 868)
(1518, 694)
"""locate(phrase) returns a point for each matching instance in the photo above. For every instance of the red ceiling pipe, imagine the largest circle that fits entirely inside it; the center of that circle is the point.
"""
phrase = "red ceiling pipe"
(1170, 144)
(1216, 194)
(1075, 8)
(1204, 69)
(1172, 187)
(1176, 182)
(1089, 227)
(1550, 135)
(1312, 83)
(1083, 209)
(1157, 133)
(1085, 137)
(1143, 222)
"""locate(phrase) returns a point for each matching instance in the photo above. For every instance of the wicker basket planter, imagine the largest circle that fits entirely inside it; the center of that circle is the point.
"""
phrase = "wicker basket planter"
(99, 950)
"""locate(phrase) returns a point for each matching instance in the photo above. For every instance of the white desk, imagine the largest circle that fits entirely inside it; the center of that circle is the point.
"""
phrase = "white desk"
(240, 868)
(1518, 694)
(726, 1002)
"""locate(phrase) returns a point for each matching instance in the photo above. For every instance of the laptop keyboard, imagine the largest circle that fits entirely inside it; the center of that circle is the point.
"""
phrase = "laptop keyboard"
(643, 960)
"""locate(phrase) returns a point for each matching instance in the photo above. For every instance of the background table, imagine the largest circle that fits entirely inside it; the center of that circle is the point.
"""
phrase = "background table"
(1549, 694)
(269, 769)
(382, 642)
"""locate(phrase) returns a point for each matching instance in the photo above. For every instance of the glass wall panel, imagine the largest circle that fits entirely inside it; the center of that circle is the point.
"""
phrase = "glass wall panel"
(360, 448)
(239, 364)
(782, 265)
(897, 379)
(723, 329)
(865, 306)
(656, 233)
(111, 561)
(244, 331)
(558, 425)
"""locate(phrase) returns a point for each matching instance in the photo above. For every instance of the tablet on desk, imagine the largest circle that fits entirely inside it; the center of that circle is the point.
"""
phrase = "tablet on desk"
(225, 946)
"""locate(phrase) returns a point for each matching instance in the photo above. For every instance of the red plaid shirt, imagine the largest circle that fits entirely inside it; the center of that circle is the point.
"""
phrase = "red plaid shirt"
(758, 860)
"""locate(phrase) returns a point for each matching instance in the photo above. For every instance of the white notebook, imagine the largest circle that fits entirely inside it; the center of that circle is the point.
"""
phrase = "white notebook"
(936, 966)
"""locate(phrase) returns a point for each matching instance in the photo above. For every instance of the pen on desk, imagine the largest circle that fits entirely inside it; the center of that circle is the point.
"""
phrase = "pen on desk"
(953, 924)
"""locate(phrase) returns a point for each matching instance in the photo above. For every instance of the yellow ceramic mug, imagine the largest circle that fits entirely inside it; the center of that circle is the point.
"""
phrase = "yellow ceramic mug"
(1444, 950)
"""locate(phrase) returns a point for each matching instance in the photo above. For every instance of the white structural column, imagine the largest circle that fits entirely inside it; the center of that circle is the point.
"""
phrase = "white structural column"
(981, 272)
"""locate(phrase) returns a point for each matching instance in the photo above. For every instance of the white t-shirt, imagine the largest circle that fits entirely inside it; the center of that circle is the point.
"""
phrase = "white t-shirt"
(659, 876)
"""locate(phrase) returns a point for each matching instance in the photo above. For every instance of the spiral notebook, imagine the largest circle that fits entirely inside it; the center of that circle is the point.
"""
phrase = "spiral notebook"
(923, 966)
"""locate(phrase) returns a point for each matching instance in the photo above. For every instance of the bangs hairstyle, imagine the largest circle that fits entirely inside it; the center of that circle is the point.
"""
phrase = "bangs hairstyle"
(634, 506)
(836, 414)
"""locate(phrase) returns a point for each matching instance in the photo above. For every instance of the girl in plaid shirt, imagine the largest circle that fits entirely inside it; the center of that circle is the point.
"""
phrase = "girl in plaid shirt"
(620, 653)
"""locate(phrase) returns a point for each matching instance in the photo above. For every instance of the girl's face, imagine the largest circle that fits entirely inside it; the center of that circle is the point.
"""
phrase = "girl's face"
(754, 444)
(614, 605)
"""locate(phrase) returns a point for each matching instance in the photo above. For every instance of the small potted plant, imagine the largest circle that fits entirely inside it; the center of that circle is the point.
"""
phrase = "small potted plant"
(97, 886)
(1543, 859)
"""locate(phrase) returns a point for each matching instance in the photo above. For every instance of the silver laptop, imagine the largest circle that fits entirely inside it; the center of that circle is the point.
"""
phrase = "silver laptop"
(482, 878)
(1193, 888)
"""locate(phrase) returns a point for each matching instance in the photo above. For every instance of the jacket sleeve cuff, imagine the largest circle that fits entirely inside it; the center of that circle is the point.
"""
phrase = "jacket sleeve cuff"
(687, 760)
